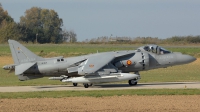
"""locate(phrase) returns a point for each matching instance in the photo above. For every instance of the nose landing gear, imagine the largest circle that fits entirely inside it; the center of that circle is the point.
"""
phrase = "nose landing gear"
(132, 82)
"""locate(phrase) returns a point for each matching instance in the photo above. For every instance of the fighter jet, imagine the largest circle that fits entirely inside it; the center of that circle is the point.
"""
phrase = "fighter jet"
(93, 68)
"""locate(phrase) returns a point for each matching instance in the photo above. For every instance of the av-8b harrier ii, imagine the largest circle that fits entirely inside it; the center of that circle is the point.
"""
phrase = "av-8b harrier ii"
(93, 68)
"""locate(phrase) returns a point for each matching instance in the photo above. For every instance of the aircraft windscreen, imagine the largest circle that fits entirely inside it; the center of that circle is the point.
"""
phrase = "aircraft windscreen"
(150, 48)
(146, 48)
(156, 49)
(164, 51)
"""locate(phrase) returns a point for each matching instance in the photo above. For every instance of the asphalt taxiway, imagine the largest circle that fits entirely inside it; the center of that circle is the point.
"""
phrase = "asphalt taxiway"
(106, 86)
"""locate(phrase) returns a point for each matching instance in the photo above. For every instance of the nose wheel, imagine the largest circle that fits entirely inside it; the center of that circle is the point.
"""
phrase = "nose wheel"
(133, 82)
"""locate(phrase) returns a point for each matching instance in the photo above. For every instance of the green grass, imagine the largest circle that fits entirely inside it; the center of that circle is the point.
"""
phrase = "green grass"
(193, 51)
(175, 74)
(67, 50)
(183, 73)
(97, 93)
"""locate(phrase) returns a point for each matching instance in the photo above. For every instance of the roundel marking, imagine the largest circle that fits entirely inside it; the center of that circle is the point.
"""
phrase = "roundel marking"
(91, 65)
(129, 62)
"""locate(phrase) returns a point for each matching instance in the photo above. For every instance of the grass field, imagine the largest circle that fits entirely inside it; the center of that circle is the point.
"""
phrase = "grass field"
(50, 50)
(188, 72)
(181, 73)
(97, 93)
(68, 50)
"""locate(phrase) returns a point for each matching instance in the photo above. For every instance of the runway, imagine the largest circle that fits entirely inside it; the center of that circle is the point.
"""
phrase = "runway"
(161, 85)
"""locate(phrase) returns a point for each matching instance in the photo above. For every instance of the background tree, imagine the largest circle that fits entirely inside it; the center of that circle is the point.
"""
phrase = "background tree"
(69, 36)
(8, 28)
(44, 24)
(72, 36)
(4, 15)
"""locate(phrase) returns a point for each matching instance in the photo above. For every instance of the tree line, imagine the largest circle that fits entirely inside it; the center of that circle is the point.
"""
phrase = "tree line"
(145, 40)
(37, 26)
(44, 26)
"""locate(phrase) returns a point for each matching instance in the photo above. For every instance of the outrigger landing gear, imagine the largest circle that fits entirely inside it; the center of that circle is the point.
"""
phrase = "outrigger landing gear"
(75, 84)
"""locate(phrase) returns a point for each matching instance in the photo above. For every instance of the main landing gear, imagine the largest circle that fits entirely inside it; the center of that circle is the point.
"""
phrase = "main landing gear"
(86, 85)
(75, 84)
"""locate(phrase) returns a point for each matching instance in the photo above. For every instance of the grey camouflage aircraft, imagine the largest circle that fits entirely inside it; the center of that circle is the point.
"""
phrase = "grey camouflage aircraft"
(93, 68)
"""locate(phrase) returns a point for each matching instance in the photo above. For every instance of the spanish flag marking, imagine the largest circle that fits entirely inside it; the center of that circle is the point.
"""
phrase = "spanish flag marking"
(91, 66)
(129, 62)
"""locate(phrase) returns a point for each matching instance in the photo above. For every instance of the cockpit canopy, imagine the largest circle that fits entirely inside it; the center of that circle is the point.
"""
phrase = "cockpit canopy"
(154, 49)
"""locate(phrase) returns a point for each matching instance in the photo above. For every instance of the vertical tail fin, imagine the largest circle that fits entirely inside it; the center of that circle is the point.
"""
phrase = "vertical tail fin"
(21, 54)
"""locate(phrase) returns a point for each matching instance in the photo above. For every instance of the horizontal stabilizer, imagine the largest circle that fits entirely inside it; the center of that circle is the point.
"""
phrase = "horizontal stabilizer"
(20, 69)
(11, 71)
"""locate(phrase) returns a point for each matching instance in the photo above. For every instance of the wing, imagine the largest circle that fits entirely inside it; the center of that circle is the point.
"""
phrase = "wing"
(99, 60)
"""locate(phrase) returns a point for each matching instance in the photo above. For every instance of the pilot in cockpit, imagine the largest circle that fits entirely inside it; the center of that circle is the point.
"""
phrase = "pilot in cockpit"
(151, 48)
(156, 49)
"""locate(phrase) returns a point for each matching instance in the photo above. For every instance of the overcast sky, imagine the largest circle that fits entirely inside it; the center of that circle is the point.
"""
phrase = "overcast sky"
(96, 18)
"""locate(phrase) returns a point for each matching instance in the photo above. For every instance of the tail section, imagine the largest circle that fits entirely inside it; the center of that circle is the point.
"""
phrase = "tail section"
(21, 54)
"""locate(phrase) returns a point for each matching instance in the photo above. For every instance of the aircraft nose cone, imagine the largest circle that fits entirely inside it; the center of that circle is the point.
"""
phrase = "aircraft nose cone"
(186, 59)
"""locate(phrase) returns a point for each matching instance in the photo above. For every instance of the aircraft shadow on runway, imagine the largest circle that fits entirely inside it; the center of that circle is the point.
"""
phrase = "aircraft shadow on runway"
(52, 86)
(108, 85)
(142, 84)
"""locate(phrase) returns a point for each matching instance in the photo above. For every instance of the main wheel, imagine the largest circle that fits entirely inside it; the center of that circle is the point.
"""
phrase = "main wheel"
(132, 82)
(75, 84)
(86, 85)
